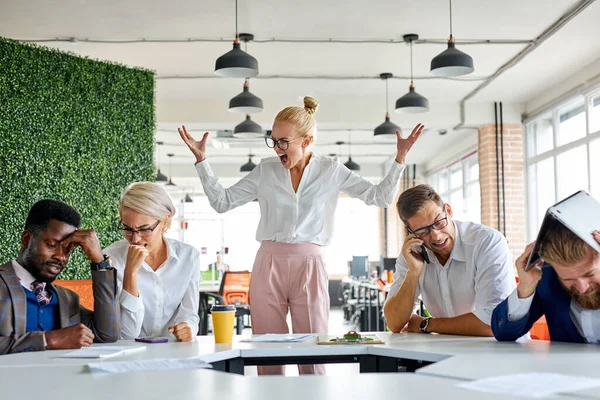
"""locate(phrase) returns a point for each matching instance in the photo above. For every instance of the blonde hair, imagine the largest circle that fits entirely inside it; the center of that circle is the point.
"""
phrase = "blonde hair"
(562, 247)
(148, 198)
(302, 117)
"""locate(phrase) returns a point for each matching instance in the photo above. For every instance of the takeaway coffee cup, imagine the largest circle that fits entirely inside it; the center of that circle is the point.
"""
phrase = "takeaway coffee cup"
(223, 318)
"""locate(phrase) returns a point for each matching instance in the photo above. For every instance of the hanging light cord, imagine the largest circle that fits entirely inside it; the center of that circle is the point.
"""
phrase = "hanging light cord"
(387, 107)
(350, 142)
(411, 63)
(450, 17)
(236, 20)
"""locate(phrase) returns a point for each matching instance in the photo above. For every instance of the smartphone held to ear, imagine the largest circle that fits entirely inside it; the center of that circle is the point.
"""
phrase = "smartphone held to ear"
(421, 253)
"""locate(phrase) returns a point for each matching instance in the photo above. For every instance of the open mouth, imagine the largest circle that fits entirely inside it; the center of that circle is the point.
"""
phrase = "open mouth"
(440, 244)
(54, 269)
(283, 158)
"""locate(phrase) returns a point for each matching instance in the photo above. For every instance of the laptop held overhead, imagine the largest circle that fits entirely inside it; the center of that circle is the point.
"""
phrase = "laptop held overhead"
(580, 213)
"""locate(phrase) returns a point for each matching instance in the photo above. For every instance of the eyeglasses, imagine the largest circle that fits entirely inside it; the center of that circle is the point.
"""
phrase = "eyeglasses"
(426, 230)
(128, 232)
(281, 143)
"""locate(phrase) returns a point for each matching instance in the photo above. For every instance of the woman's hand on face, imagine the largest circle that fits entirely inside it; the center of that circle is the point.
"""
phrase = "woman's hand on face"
(135, 257)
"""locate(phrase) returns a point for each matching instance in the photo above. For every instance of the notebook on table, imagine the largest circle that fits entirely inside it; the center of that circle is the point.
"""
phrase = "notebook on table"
(102, 351)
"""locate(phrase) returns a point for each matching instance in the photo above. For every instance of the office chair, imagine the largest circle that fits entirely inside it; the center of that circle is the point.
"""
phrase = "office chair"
(235, 290)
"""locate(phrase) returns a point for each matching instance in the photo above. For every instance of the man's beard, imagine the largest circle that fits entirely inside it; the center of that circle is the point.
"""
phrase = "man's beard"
(589, 301)
(31, 263)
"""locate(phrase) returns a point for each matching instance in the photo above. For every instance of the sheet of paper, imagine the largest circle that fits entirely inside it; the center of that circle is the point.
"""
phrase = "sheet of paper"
(280, 338)
(156, 364)
(532, 384)
(101, 351)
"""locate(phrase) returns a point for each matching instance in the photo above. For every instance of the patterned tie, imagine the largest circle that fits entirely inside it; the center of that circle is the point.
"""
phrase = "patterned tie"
(38, 289)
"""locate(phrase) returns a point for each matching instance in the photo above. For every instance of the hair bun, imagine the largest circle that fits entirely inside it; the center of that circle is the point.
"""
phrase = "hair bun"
(310, 105)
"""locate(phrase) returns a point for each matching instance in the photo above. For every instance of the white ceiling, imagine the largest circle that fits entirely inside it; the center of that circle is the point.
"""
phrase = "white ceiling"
(346, 104)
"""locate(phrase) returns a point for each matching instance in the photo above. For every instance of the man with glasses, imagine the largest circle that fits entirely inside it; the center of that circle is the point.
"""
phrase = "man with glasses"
(461, 270)
(37, 315)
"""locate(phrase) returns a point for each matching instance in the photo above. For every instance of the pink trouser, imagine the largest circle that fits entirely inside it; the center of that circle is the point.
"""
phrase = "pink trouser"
(293, 276)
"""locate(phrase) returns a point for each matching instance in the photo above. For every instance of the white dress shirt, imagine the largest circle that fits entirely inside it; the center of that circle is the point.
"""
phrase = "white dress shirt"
(586, 321)
(477, 276)
(25, 278)
(167, 296)
(305, 216)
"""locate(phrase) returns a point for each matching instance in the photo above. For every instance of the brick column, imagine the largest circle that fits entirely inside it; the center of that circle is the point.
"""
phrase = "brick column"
(514, 184)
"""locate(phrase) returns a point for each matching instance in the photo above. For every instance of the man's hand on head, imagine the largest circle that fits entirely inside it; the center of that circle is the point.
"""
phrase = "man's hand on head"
(88, 240)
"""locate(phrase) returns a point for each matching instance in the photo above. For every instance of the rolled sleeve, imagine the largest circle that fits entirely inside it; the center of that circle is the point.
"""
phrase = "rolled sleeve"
(494, 279)
(380, 195)
(518, 308)
(130, 302)
(132, 315)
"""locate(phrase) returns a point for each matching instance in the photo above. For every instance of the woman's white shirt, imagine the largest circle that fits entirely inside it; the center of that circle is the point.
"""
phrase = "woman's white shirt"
(167, 296)
(305, 216)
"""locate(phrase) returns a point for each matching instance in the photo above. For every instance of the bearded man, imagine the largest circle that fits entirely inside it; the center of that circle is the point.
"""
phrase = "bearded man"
(565, 287)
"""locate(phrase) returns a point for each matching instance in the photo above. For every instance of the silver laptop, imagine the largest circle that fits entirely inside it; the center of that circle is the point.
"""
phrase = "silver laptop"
(579, 212)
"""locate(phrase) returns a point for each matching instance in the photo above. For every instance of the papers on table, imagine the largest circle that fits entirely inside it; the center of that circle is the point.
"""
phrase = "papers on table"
(156, 364)
(102, 351)
(532, 384)
(280, 338)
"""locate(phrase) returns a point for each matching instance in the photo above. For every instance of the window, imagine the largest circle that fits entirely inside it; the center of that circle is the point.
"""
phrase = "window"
(595, 115)
(595, 168)
(542, 138)
(458, 185)
(571, 124)
(560, 156)
(572, 171)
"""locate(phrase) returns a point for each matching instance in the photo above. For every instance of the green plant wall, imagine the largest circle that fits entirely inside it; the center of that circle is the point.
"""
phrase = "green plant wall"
(71, 129)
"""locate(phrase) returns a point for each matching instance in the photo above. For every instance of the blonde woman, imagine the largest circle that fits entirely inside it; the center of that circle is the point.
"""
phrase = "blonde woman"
(298, 193)
(158, 277)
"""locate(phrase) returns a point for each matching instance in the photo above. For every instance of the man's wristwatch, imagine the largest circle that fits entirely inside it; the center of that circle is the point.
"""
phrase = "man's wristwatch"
(103, 265)
(424, 324)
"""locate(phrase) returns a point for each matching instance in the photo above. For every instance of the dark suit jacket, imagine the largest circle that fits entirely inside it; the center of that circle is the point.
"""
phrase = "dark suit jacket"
(104, 321)
(550, 299)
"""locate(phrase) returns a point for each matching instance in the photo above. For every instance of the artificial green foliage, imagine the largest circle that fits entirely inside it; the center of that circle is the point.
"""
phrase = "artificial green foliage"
(71, 129)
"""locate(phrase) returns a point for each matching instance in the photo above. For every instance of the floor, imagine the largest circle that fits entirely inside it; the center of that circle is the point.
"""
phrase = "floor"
(336, 326)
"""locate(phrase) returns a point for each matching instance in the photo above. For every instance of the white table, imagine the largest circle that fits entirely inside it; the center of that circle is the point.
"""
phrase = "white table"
(75, 382)
(455, 358)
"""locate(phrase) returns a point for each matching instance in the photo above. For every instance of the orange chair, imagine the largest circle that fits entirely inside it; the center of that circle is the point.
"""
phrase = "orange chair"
(83, 288)
(235, 290)
(539, 330)
(235, 287)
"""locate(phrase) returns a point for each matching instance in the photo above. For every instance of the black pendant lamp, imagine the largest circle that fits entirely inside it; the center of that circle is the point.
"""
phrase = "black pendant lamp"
(170, 182)
(412, 102)
(249, 166)
(351, 165)
(248, 129)
(160, 177)
(387, 127)
(451, 62)
(236, 63)
(246, 102)
(188, 199)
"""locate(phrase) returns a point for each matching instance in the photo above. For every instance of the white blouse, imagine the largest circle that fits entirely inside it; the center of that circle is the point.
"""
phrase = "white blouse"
(168, 296)
(305, 216)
